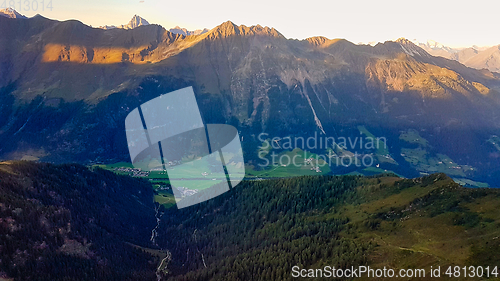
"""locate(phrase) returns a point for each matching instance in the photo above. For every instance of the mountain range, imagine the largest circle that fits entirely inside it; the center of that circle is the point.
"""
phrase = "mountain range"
(184, 31)
(137, 21)
(66, 89)
(475, 57)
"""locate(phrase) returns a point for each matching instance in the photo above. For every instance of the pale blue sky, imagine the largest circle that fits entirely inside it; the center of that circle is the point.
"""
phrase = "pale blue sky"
(453, 23)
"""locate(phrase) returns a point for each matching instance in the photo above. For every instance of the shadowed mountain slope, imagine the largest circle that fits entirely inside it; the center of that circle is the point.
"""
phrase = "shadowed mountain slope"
(66, 89)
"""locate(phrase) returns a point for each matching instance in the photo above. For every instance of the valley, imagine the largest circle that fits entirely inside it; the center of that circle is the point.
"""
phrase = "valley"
(71, 86)
(384, 155)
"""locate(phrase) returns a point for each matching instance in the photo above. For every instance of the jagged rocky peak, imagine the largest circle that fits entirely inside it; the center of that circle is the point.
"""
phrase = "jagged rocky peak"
(228, 28)
(320, 41)
(410, 48)
(317, 40)
(11, 13)
(137, 21)
(404, 41)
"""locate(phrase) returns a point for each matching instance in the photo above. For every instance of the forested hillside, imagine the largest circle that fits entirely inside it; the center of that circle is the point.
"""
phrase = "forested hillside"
(70, 222)
(261, 229)
(66, 222)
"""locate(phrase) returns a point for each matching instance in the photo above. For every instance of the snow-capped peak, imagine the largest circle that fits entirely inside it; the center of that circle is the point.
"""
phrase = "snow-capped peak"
(136, 21)
(11, 13)
(184, 31)
(433, 44)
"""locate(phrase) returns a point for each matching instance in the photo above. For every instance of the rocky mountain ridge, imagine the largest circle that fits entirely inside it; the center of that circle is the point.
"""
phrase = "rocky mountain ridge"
(76, 84)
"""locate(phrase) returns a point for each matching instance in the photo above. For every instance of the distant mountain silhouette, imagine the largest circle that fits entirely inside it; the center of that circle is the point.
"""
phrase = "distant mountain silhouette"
(136, 21)
(184, 31)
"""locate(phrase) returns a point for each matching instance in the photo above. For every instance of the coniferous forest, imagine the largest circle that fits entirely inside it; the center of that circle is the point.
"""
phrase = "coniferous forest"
(70, 222)
(66, 222)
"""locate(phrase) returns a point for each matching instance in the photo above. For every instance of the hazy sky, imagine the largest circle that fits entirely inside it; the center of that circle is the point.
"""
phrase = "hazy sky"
(453, 23)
